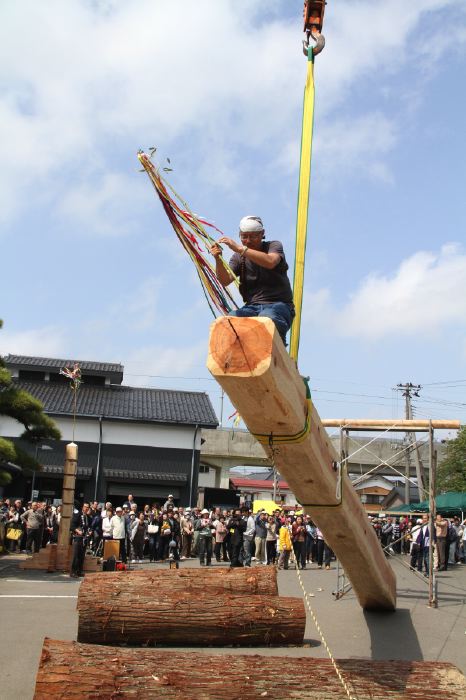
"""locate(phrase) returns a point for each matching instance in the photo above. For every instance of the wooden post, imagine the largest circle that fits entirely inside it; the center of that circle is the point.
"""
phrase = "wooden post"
(393, 424)
(63, 554)
(249, 360)
(433, 601)
(69, 484)
(57, 557)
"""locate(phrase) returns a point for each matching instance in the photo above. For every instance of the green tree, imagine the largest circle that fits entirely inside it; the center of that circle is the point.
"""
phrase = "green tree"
(451, 474)
(21, 406)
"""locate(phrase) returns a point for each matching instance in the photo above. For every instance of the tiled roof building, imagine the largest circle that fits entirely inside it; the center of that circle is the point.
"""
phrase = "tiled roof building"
(135, 440)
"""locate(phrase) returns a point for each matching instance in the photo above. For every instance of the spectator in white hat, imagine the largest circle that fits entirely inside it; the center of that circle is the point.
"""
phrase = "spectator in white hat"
(169, 502)
(205, 528)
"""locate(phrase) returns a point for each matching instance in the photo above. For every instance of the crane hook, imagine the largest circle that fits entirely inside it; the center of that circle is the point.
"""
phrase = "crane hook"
(318, 38)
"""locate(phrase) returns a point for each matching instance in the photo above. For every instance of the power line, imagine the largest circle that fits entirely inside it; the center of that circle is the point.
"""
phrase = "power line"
(451, 381)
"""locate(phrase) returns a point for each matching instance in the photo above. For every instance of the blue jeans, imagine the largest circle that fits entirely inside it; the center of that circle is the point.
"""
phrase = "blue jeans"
(281, 314)
(423, 558)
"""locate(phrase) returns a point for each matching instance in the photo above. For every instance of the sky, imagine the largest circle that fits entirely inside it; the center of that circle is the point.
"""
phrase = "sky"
(90, 266)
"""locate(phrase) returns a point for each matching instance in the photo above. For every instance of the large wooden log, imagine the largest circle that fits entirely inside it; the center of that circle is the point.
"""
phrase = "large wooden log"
(249, 360)
(261, 580)
(72, 671)
(175, 618)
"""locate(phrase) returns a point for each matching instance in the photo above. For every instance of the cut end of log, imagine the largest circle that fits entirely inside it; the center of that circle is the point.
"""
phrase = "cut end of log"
(241, 346)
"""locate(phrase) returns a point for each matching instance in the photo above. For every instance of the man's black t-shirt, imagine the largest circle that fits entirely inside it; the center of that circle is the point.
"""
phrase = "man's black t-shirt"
(262, 286)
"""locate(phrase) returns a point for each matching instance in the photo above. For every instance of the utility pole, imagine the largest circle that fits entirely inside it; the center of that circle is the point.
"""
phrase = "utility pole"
(221, 407)
(408, 391)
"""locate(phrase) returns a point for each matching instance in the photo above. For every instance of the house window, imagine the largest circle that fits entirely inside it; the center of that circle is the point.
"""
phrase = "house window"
(373, 498)
(204, 469)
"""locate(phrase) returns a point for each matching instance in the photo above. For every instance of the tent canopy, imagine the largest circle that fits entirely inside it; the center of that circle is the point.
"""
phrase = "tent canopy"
(450, 503)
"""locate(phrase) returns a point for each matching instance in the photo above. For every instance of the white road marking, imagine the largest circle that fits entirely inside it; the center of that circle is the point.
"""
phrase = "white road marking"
(38, 596)
(24, 580)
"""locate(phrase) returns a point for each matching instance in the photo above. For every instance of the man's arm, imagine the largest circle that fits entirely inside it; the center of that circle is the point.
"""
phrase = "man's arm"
(267, 260)
(222, 273)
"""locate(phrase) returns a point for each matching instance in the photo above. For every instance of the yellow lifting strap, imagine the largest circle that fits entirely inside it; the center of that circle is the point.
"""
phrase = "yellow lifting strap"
(303, 202)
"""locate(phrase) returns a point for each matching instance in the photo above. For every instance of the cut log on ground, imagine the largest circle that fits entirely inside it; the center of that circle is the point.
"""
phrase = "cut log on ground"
(260, 580)
(72, 671)
(187, 619)
(249, 361)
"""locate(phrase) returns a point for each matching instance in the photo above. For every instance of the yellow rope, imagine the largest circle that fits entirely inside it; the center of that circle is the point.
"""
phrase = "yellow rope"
(306, 596)
(303, 203)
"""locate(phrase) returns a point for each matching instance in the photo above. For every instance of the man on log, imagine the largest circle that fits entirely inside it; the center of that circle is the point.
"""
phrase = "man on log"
(262, 270)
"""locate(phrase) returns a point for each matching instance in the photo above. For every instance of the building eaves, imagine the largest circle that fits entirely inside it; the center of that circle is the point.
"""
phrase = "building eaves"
(125, 403)
(144, 476)
(56, 363)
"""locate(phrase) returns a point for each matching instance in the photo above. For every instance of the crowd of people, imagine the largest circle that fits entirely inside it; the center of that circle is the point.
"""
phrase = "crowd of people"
(27, 528)
(159, 532)
(238, 536)
(411, 536)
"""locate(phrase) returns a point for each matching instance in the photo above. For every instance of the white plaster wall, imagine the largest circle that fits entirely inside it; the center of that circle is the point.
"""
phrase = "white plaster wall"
(10, 427)
(116, 433)
(207, 479)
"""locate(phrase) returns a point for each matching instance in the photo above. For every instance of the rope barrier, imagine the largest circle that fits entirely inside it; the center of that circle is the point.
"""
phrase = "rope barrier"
(306, 597)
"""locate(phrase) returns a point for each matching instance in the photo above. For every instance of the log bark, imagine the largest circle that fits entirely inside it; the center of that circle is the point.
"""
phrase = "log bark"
(72, 671)
(186, 619)
(214, 580)
(249, 360)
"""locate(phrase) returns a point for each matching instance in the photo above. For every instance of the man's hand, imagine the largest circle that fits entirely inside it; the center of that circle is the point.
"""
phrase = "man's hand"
(232, 244)
(216, 250)
(223, 275)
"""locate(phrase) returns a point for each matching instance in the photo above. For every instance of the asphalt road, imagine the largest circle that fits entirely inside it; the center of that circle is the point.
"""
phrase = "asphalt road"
(36, 604)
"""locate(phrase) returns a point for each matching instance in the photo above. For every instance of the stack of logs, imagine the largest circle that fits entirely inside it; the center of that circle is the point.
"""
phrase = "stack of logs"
(189, 607)
(219, 607)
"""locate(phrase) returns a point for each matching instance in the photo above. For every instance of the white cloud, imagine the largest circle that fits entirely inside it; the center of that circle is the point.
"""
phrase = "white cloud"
(423, 296)
(87, 77)
(49, 341)
(141, 307)
(356, 145)
(145, 365)
(107, 205)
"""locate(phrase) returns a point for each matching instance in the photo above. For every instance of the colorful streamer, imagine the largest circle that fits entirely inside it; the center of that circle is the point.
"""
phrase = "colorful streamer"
(191, 232)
